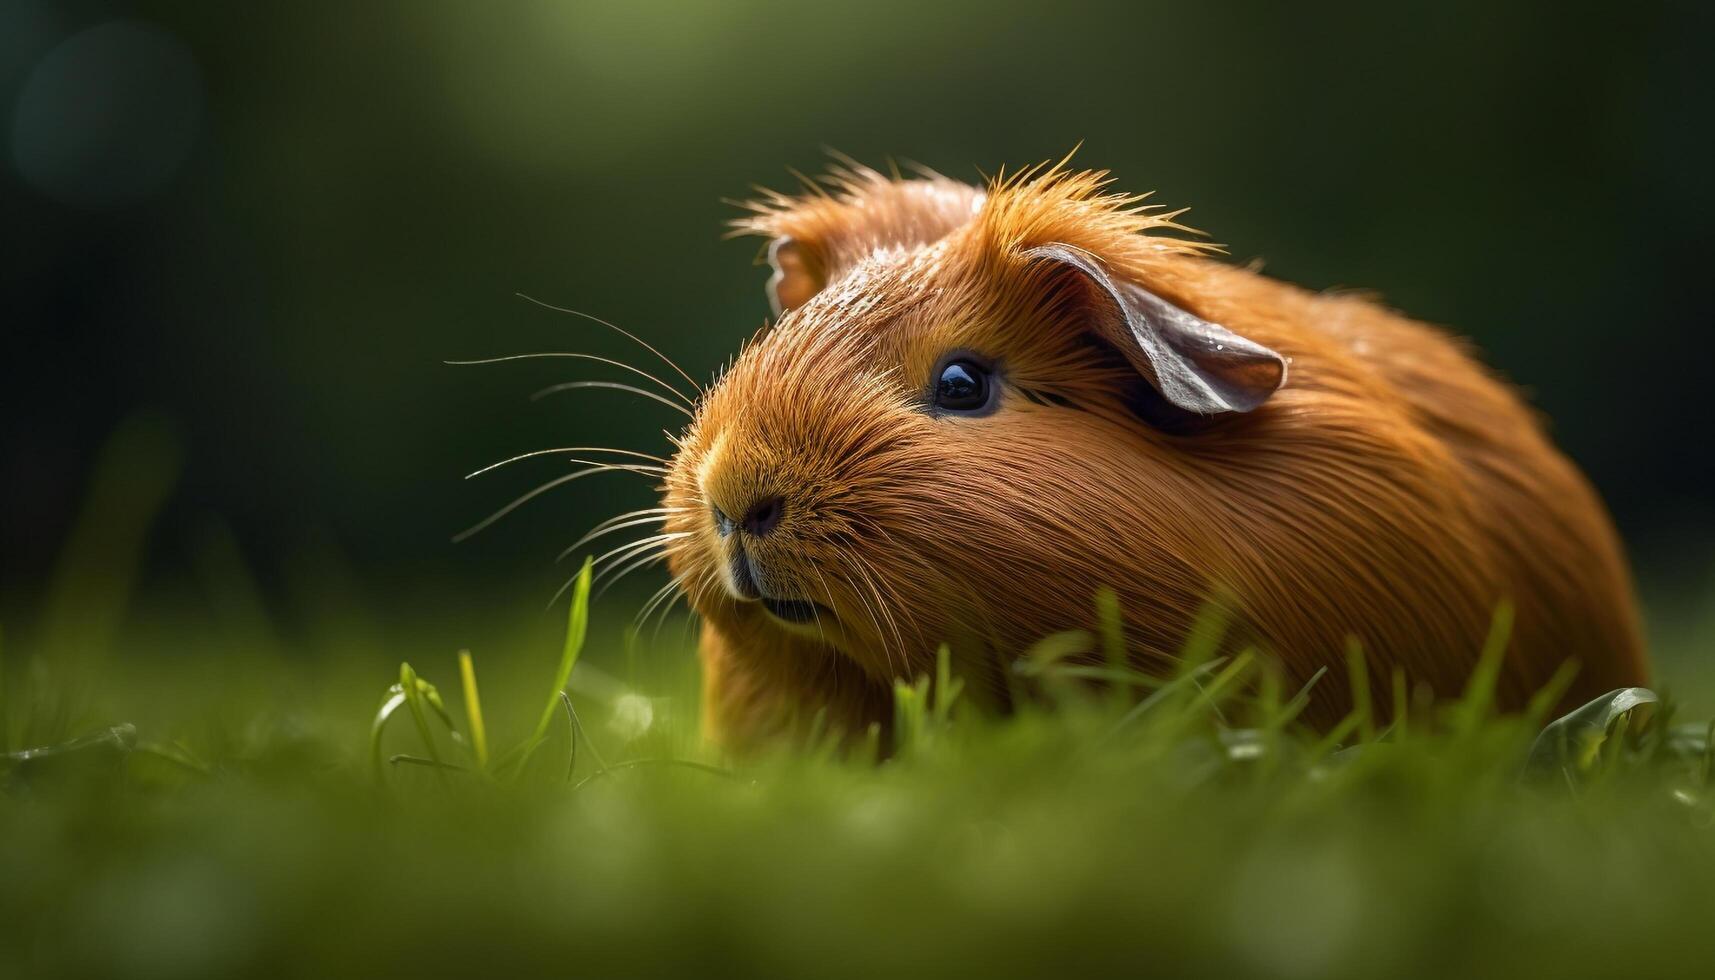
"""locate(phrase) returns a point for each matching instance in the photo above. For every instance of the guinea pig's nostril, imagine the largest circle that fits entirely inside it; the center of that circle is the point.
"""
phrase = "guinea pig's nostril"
(723, 523)
(764, 516)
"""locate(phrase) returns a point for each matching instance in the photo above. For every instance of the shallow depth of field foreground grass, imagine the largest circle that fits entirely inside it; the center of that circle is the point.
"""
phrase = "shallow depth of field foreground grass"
(234, 822)
(197, 797)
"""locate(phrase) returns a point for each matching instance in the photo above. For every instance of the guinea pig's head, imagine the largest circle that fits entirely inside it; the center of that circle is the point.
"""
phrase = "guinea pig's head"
(938, 440)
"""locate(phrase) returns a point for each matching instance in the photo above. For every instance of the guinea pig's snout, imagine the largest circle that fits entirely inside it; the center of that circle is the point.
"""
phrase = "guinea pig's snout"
(751, 556)
(743, 524)
(756, 518)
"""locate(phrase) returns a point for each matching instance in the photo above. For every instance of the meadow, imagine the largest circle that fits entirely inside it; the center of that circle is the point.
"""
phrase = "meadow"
(237, 734)
(207, 800)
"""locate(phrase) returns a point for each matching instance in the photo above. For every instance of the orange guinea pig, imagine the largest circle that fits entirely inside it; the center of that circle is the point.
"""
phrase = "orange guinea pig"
(980, 406)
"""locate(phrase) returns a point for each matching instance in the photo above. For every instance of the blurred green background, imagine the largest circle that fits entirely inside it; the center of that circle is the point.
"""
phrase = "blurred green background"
(264, 226)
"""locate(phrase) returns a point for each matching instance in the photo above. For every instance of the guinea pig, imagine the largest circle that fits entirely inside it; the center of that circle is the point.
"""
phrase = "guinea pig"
(980, 406)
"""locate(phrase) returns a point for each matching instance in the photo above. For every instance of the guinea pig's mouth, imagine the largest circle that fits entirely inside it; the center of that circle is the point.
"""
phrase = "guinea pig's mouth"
(798, 612)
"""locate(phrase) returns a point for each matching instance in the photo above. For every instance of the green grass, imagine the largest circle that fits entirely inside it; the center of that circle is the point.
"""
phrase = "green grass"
(244, 827)
(192, 800)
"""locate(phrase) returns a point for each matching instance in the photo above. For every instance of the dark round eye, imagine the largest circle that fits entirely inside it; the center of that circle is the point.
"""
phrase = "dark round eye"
(964, 386)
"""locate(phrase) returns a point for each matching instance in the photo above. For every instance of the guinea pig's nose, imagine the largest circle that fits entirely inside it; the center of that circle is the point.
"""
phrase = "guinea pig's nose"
(759, 518)
(763, 516)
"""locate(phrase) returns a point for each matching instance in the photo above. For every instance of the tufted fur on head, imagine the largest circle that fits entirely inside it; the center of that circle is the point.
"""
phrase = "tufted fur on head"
(1171, 427)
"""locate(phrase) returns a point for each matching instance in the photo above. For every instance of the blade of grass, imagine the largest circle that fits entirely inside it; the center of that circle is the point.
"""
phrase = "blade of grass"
(909, 710)
(1401, 703)
(1331, 741)
(654, 763)
(583, 736)
(1231, 674)
(1204, 640)
(120, 737)
(395, 697)
(1570, 743)
(571, 736)
(431, 696)
(1111, 626)
(1479, 696)
(1050, 650)
(174, 753)
(1290, 711)
(1549, 695)
(947, 687)
(473, 709)
(417, 760)
(1127, 678)
(91, 583)
(1358, 674)
(1178, 684)
(414, 698)
(577, 626)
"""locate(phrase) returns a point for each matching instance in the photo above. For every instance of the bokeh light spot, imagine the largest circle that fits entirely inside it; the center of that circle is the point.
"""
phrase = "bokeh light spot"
(108, 116)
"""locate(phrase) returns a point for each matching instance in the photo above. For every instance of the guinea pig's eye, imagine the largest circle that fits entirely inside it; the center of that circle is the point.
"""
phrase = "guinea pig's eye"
(964, 386)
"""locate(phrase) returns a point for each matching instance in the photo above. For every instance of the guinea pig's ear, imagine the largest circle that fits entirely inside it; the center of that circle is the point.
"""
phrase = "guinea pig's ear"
(797, 275)
(1196, 366)
(846, 218)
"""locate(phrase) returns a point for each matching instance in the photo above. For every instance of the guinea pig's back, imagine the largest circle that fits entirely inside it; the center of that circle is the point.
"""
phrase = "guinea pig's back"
(1544, 533)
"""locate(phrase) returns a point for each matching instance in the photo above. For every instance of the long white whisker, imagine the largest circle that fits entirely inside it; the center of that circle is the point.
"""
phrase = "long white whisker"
(533, 494)
(665, 613)
(614, 386)
(593, 535)
(648, 469)
(702, 582)
(566, 449)
(821, 631)
(649, 603)
(880, 634)
(633, 547)
(644, 562)
(597, 595)
(664, 512)
(582, 357)
(661, 596)
(883, 593)
(865, 571)
(621, 330)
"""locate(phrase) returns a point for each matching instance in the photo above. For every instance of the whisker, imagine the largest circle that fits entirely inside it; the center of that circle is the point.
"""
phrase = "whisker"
(533, 494)
(665, 614)
(616, 386)
(648, 469)
(633, 547)
(582, 357)
(597, 595)
(622, 331)
(666, 594)
(821, 631)
(606, 531)
(880, 584)
(562, 590)
(664, 512)
(870, 579)
(567, 449)
(880, 634)
(648, 604)
(644, 562)
(885, 592)
(684, 594)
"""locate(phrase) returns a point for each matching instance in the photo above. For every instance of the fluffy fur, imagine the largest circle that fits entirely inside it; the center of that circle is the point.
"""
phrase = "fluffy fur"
(1392, 490)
